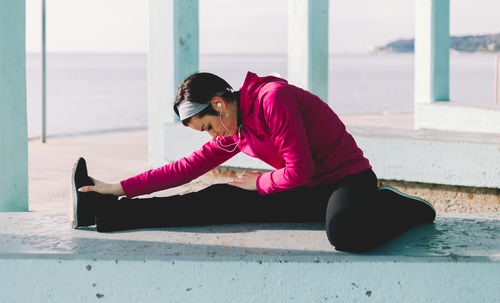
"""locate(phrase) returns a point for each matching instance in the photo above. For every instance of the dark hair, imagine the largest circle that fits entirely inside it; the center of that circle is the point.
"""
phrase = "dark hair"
(201, 88)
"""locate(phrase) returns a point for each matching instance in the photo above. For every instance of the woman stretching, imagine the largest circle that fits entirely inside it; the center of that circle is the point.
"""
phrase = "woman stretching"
(320, 173)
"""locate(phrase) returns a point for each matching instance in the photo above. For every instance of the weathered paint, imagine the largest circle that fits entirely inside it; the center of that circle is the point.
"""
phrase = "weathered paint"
(308, 45)
(456, 259)
(173, 55)
(432, 48)
(52, 280)
(395, 154)
(13, 118)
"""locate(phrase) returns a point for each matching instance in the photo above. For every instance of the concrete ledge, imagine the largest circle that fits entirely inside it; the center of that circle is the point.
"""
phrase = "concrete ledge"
(456, 116)
(432, 156)
(427, 156)
(456, 259)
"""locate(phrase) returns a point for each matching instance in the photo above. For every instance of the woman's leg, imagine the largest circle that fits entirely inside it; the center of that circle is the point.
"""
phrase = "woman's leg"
(360, 217)
(216, 204)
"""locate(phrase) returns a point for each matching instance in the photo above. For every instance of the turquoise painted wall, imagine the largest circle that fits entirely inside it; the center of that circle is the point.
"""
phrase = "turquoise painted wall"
(97, 280)
(308, 45)
(432, 51)
(440, 50)
(13, 120)
(186, 41)
(318, 54)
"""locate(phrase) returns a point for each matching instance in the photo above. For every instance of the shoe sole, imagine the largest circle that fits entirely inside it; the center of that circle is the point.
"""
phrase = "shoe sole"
(407, 196)
(74, 201)
(74, 192)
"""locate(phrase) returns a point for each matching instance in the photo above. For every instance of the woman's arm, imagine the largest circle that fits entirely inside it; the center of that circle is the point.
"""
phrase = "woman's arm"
(173, 174)
(179, 172)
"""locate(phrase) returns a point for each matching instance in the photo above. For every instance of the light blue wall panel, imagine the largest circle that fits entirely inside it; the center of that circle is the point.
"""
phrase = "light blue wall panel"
(432, 47)
(308, 45)
(13, 121)
(409, 155)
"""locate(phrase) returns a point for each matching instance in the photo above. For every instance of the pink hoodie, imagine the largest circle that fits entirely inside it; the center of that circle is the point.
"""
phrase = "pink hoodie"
(285, 126)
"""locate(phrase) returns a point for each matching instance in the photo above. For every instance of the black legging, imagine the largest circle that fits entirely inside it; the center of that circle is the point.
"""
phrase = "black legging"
(355, 216)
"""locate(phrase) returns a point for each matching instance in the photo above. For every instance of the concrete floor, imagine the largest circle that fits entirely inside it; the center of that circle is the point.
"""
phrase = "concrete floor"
(401, 120)
(110, 157)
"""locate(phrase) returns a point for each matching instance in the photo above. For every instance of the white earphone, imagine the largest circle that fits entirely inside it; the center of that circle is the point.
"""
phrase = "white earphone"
(235, 144)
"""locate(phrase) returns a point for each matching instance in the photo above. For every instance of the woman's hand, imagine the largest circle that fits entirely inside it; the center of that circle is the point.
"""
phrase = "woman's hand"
(103, 188)
(247, 180)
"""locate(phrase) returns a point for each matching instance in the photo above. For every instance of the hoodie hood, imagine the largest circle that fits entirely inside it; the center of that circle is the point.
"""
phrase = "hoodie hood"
(250, 90)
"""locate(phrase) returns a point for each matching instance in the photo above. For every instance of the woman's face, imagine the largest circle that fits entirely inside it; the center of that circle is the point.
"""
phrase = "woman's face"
(218, 126)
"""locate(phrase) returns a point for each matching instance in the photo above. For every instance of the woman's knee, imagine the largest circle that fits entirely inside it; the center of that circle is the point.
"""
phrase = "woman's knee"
(337, 230)
(349, 231)
(349, 218)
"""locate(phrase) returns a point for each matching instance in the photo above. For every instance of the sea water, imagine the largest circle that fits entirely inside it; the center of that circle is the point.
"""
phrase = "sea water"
(89, 93)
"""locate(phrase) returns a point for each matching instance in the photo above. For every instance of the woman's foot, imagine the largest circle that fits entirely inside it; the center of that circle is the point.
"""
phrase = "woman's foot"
(84, 204)
(418, 210)
(82, 214)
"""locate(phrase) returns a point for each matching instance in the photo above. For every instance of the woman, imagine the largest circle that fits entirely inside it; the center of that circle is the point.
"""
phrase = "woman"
(320, 173)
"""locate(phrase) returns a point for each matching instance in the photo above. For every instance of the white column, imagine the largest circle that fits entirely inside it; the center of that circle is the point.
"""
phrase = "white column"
(308, 45)
(173, 55)
(432, 48)
(13, 121)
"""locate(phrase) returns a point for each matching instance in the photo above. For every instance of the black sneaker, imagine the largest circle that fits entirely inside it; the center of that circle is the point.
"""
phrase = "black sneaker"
(82, 212)
(420, 211)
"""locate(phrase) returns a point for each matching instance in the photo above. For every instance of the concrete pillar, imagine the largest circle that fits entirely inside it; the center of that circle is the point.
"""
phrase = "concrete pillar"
(173, 55)
(308, 45)
(13, 120)
(432, 50)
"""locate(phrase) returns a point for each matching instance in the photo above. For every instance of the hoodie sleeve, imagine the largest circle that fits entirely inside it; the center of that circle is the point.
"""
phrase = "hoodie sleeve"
(283, 116)
(179, 172)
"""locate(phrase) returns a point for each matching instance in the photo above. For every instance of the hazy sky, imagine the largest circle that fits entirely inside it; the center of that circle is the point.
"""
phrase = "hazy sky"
(229, 26)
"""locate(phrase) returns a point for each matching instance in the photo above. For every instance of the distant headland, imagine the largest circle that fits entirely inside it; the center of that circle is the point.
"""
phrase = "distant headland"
(466, 44)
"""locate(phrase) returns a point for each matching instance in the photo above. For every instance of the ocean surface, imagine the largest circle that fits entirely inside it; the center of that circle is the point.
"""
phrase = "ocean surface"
(89, 93)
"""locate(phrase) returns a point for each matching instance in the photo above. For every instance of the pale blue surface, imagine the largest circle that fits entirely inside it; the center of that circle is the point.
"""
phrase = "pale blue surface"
(13, 124)
(53, 280)
(432, 50)
(186, 42)
(456, 259)
(453, 116)
(440, 62)
(436, 157)
(318, 54)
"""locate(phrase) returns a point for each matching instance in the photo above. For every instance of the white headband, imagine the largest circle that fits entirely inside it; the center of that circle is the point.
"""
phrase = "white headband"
(188, 108)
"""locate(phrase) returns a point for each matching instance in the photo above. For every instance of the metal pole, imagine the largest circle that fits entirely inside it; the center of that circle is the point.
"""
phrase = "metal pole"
(496, 78)
(44, 75)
